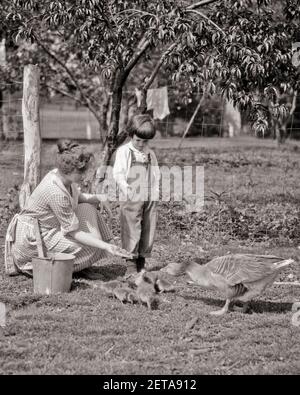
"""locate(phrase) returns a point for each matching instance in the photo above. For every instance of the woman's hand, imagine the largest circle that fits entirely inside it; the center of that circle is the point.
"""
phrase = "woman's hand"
(118, 251)
(104, 205)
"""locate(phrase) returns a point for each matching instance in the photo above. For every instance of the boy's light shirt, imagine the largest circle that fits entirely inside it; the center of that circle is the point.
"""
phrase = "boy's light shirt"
(123, 163)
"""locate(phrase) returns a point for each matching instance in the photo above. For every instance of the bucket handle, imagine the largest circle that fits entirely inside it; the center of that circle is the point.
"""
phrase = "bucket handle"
(38, 238)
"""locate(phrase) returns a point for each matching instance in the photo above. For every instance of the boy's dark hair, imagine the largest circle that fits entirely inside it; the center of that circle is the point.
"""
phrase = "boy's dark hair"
(72, 156)
(142, 126)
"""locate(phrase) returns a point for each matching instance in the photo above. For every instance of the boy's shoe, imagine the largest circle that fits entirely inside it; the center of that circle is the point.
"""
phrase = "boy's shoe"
(131, 268)
(140, 263)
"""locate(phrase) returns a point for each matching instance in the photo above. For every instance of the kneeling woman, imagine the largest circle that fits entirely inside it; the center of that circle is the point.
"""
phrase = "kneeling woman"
(69, 220)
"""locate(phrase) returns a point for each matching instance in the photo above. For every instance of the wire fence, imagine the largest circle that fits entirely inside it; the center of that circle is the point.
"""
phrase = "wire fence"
(63, 118)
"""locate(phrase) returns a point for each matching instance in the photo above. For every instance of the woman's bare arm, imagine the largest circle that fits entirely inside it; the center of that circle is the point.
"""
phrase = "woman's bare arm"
(91, 198)
(92, 241)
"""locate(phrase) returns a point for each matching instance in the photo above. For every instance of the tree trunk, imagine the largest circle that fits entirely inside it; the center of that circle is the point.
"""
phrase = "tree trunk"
(143, 105)
(103, 119)
(1, 117)
(5, 116)
(2, 63)
(32, 135)
(111, 141)
(280, 130)
(125, 112)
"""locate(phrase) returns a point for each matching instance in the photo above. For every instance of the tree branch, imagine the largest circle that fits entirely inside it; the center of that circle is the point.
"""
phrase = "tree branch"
(64, 93)
(149, 80)
(262, 106)
(294, 101)
(92, 100)
(200, 4)
(192, 119)
(142, 47)
(70, 74)
(208, 20)
(136, 11)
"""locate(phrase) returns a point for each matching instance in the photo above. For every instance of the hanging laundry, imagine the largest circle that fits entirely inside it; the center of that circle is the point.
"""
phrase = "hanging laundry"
(138, 95)
(157, 100)
(2, 53)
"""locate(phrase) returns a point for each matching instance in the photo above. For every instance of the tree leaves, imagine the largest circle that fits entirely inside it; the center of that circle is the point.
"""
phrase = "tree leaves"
(105, 37)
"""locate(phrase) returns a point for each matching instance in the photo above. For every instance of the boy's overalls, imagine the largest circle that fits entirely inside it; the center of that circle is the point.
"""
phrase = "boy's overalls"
(138, 216)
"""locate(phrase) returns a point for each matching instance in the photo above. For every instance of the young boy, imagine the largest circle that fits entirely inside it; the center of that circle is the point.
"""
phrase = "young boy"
(137, 175)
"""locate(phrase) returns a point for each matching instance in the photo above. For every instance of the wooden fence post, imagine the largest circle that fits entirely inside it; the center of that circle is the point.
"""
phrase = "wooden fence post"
(32, 135)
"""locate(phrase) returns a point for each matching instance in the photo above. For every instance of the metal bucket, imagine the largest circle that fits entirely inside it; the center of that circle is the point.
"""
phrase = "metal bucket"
(52, 274)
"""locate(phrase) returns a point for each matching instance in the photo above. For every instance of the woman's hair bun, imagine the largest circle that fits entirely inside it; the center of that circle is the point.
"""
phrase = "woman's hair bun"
(72, 156)
(66, 145)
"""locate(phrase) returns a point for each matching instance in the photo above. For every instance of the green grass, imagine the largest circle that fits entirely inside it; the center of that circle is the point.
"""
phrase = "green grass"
(85, 332)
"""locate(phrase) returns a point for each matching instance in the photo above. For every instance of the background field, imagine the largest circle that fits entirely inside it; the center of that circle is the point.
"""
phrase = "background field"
(59, 122)
(84, 332)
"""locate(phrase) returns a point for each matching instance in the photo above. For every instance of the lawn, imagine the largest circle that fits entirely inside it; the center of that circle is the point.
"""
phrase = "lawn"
(86, 332)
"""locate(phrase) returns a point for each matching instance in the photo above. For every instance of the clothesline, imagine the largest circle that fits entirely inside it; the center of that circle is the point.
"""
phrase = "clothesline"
(103, 87)
(11, 83)
(10, 101)
(156, 100)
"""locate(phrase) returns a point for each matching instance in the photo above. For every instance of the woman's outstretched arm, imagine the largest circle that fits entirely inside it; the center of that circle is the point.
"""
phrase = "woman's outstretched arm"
(92, 198)
(92, 241)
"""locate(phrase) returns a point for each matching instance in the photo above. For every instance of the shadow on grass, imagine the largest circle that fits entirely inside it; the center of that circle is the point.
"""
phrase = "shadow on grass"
(271, 307)
(20, 301)
(258, 307)
(78, 285)
(102, 273)
(16, 302)
(111, 272)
